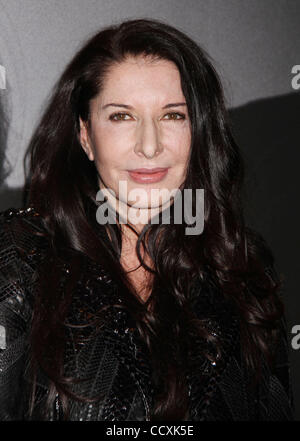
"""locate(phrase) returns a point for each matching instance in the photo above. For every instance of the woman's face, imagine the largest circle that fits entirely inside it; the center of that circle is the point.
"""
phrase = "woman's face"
(139, 120)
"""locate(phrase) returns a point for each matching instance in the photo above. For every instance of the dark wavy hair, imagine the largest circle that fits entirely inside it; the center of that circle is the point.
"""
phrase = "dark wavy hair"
(63, 184)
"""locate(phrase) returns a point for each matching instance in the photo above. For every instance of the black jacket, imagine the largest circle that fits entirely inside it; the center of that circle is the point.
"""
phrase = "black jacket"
(115, 362)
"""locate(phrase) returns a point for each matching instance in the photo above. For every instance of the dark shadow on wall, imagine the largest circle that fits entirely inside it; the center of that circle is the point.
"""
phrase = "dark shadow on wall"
(268, 133)
(10, 197)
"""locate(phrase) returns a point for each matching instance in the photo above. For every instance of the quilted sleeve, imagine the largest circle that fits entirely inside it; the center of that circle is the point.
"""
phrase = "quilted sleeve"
(15, 314)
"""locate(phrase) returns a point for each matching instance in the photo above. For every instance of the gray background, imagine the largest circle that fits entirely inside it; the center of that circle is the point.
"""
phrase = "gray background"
(255, 44)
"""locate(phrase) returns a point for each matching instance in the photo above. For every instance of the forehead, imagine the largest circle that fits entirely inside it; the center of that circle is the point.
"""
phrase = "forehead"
(142, 77)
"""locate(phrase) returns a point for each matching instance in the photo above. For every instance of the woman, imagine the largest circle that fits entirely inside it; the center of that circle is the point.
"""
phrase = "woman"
(138, 320)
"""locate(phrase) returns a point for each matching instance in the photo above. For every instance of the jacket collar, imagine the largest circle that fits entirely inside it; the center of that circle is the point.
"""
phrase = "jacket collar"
(219, 317)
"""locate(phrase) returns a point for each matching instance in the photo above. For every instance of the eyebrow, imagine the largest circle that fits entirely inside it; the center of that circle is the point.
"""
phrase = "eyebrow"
(130, 107)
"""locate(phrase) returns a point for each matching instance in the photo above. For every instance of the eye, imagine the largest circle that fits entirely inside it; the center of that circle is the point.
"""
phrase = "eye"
(176, 116)
(118, 116)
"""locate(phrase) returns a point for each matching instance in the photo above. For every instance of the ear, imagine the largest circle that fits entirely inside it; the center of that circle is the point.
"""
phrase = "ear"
(85, 140)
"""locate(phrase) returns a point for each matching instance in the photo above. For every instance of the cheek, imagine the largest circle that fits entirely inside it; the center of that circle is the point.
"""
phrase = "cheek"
(177, 134)
(180, 147)
(108, 152)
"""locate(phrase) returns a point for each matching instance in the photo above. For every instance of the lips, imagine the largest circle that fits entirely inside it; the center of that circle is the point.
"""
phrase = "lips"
(148, 170)
(148, 175)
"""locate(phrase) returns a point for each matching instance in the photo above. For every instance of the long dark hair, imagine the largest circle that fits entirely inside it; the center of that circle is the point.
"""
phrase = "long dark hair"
(62, 188)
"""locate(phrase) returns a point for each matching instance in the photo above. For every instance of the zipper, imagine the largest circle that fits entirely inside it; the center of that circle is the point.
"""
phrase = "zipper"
(147, 409)
(58, 413)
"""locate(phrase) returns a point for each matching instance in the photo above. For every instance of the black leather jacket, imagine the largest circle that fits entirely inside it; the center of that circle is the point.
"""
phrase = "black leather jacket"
(114, 362)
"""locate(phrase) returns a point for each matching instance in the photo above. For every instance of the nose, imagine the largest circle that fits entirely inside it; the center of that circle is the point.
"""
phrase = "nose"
(148, 142)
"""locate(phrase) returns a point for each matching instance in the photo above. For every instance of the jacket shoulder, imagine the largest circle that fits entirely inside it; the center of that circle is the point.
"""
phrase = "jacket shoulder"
(20, 237)
(22, 244)
(15, 220)
(21, 229)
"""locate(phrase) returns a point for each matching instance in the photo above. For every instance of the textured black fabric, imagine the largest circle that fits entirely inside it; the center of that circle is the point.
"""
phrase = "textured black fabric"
(114, 362)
